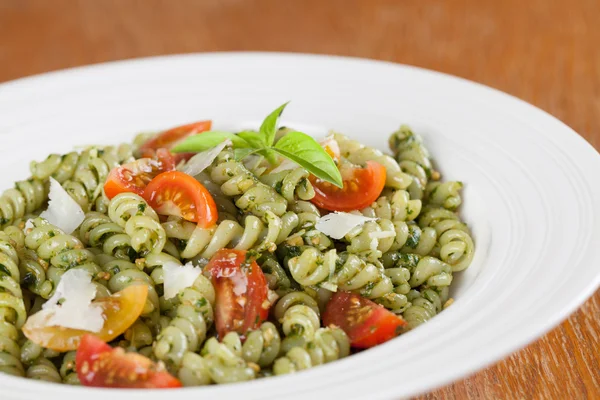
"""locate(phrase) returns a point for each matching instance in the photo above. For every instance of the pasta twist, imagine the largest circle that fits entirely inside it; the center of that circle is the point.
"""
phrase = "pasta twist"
(425, 305)
(31, 351)
(305, 232)
(328, 344)
(99, 231)
(91, 171)
(414, 159)
(395, 205)
(56, 251)
(252, 196)
(63, 167)
(445, 194)
(371, 239)
(68, 370)
(260, 347)
(123, 274)
(25, 198)
(191, 320)
(255, 234)
(292, 184)
(456, 245)
(44, 370)
(358, 153)
(140, 221)
(276, 276)
(298, 314)
(12, 308)
(225, 205)
(225, 364)
(346, 272)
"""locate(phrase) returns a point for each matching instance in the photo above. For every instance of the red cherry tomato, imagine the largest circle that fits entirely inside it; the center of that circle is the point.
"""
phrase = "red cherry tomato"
(241, 291)
(100, 365)
(171, 137)
(134, 176)
(366, 323)
(362, 186)
(176, 193)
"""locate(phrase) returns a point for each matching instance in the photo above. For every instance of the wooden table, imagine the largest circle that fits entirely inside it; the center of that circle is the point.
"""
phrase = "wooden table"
(546, 52)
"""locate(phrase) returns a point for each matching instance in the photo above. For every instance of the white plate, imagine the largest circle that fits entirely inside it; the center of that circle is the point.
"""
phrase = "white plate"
(531, 195)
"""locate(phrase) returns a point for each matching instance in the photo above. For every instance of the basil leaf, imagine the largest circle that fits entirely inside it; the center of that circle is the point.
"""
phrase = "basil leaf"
(254, 139)
(240, 154)
(208, 140)
(269, 126)
(306, 152)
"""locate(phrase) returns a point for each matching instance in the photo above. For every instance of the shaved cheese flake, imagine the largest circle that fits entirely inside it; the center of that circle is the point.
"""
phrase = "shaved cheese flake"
(71, 304)
(178, 277)
(63, 211)
(337, 225)
(202, 160)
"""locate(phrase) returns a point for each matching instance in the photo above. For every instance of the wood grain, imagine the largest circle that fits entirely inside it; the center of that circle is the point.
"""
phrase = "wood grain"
(543, 51)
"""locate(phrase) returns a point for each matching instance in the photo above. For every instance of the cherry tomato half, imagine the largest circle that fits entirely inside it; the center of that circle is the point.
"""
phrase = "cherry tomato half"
(100, 365)
(134, 176)
(171, 137)
(241, 291)
(176, 193)
(366, 323)
(119, 310)
(362, 186)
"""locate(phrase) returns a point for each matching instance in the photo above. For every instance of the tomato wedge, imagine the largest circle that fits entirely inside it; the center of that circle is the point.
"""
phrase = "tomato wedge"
(367, 324)
(176, 193)
(100, 365)
(134, 176)
(120, 311)
(171, 137)
(362, 186)
(241, 291)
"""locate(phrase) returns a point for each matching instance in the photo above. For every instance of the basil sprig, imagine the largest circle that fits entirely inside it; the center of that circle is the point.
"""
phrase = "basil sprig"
(295, 146)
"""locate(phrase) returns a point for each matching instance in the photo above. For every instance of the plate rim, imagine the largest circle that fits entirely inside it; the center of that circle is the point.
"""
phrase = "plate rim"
(562, 314)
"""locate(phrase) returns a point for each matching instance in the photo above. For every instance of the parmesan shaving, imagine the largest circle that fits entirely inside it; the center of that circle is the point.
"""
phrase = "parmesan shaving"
(71, 304)
(201, 161)
(178, 277)
(337, 225)
(63, 211)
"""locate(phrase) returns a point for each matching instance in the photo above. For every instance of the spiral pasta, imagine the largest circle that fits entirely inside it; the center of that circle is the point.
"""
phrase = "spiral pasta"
(292, 184)
(191, 320)
(414, 159)
(328, 344)
(99, 231)
(12, 308)
(252, 196)
(25, 198)
(358, 153)
(255, 234)
(50, 253)
(140, 222)
(404, 257)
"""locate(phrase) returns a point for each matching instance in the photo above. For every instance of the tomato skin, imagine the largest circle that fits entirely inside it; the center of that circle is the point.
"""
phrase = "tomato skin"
(100, 365)
(177, 157)
(362, 186)
(176, 193)
(366, 323)
(241, 292)
(171, 137)
(133, 177)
